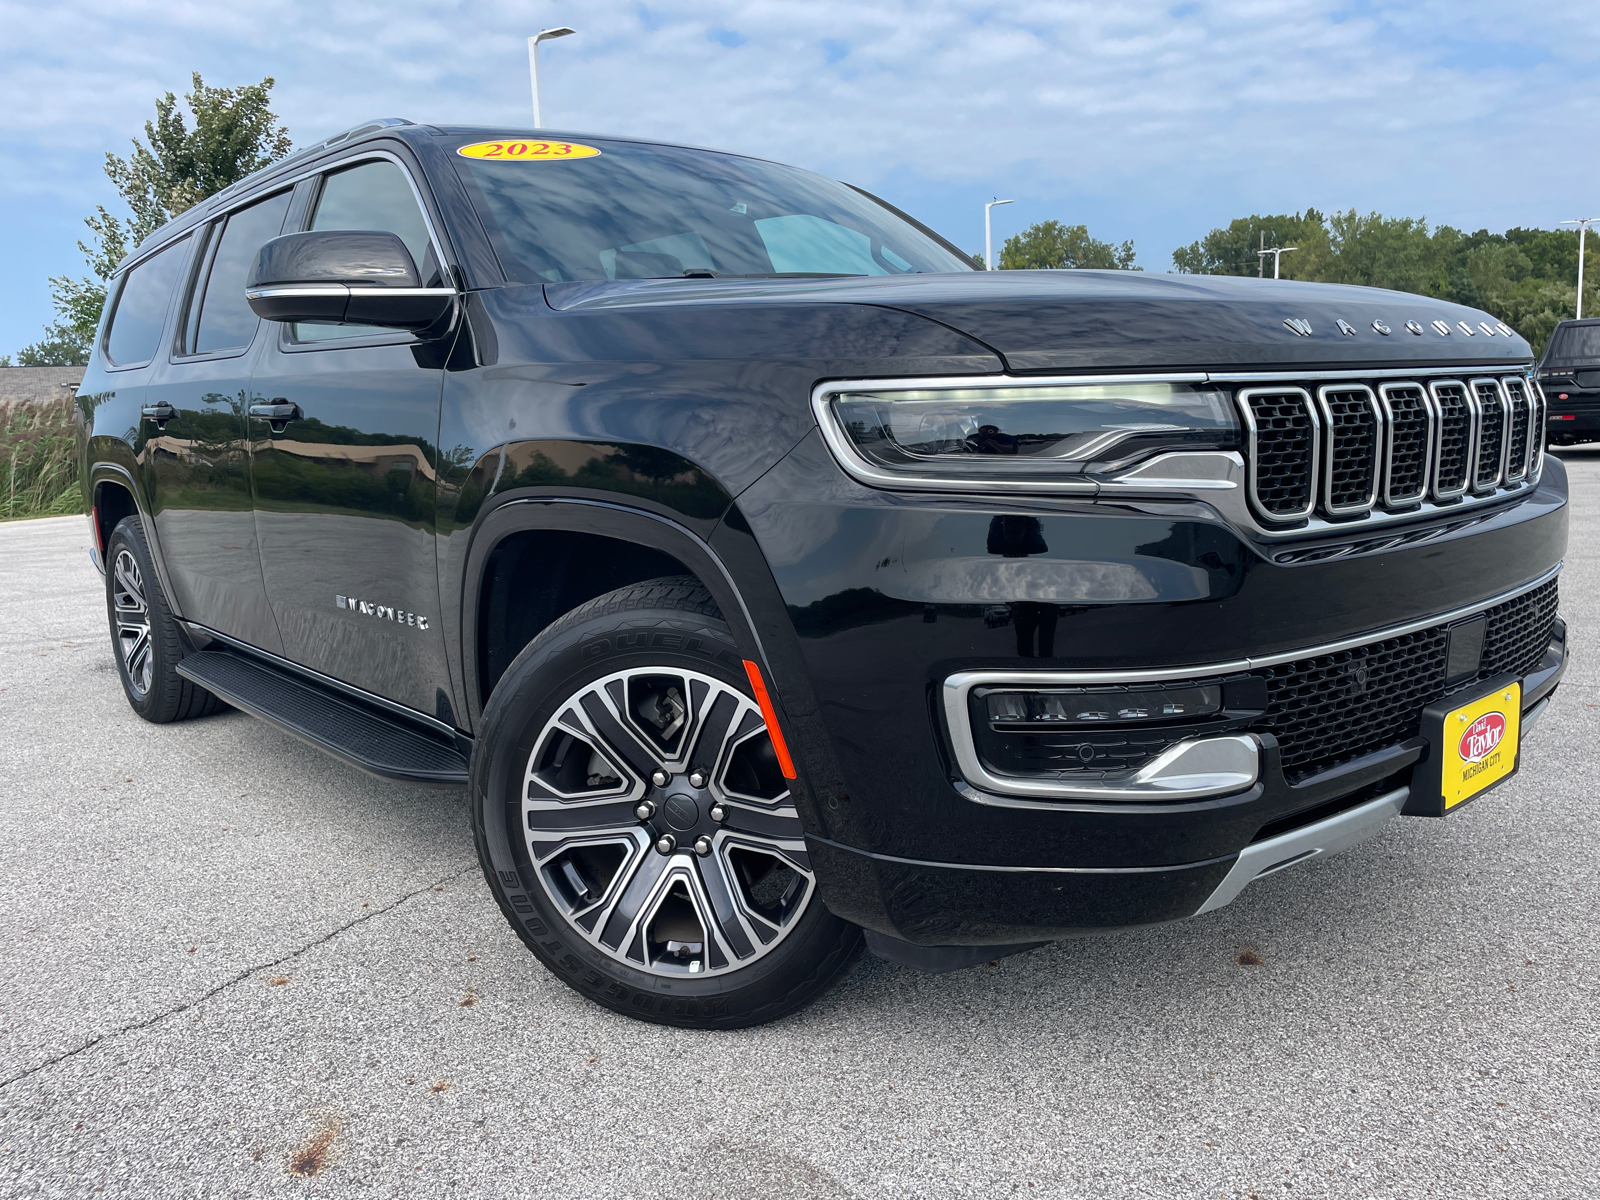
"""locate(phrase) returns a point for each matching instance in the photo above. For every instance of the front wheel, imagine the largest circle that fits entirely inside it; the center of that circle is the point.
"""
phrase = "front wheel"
(634, 824)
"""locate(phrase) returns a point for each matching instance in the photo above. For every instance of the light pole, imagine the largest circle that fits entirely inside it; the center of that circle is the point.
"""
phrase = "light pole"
(544, 35)
(1277, 253)
(988, 237)
(1583, 231)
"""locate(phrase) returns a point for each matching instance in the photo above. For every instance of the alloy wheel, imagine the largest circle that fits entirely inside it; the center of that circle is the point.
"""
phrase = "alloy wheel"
(133, 622)
(658, 822)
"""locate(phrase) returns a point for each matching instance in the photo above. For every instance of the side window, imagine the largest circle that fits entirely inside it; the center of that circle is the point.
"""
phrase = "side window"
(225, 321)
(134, 334)
(372, 195)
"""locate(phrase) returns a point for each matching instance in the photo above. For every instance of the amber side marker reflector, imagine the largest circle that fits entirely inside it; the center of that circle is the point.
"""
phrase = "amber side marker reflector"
(94, 528)
(770, 716)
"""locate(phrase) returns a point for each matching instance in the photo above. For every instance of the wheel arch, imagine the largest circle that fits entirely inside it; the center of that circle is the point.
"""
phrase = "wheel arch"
(113, 489)
(617, 545)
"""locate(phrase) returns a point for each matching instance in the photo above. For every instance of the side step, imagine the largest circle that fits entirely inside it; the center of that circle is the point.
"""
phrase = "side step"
(378, 743)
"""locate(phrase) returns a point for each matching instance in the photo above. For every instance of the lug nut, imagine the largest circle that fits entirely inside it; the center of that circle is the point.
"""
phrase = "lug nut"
(719, 813)
(645, 810)
(660, 778)
(702, 845)
(697, 779)
(666, 844)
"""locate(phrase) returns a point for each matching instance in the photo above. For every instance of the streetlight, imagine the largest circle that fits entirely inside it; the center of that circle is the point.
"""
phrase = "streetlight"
(988, 238)
(544, 35)
(1277, 253)
(1583, 231)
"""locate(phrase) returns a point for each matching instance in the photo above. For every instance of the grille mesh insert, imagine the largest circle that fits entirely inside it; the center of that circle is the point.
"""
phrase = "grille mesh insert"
(1352, 435)
(1491, 436)
(1455, 438)
(1334, 707)
(1408, 444)
(1283, 445)
(1517, 455)
(1518, 631)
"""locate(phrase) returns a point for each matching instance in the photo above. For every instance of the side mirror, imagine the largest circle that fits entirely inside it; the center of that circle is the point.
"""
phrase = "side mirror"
(343, 277)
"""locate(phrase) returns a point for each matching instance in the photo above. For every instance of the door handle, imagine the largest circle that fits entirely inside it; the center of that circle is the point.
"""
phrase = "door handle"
(277, 414)
(160, 413)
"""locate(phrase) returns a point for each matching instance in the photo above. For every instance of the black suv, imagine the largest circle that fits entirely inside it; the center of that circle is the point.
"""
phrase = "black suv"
(1569, 373)
(770, 575)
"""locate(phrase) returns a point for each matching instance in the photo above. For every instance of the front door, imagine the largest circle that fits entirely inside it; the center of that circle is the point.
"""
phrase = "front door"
(197, 468)
(344, 489)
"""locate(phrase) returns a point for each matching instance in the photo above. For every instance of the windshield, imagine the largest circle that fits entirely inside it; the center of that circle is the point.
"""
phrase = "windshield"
(1577, 344)
(634, 211)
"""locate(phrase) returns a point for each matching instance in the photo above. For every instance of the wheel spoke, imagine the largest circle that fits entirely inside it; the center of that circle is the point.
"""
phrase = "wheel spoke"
(618, 740)
(131, 583)
(646, 874)
(720, 889)
(138, 656)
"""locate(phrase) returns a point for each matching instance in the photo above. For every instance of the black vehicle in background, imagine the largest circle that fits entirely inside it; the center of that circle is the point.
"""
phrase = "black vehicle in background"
(769, 575)
(1569, 373)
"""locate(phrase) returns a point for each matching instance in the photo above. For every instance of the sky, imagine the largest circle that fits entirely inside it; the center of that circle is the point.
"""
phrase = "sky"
(1146, 121)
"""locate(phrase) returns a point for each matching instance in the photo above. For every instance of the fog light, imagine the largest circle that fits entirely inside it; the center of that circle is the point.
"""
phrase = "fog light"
(1067, 707)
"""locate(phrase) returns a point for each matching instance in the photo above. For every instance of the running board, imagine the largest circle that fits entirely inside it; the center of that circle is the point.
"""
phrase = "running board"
(378, 743)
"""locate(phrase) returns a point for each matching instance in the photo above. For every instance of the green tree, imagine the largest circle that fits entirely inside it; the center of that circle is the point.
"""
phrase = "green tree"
(1525, 277)
(1233, 250)
(1050, 245)
(234, 132)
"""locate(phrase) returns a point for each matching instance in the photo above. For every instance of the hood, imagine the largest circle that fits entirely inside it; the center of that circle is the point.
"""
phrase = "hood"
(1111, 320)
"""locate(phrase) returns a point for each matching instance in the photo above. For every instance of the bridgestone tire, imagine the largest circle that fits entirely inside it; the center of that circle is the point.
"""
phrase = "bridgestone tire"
(642, 635)
(151, 681)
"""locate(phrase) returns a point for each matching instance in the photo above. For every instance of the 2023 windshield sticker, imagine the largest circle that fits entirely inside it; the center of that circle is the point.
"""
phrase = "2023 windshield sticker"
(528, 151)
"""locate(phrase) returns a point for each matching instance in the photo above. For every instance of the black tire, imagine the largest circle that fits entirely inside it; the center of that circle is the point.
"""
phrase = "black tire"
(147, 662)
(545, 783)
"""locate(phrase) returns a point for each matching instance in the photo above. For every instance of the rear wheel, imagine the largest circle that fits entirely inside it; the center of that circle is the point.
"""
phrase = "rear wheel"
(145, 634)
(634, 824)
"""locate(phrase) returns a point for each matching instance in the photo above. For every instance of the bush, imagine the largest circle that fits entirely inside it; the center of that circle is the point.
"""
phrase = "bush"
(39, 461)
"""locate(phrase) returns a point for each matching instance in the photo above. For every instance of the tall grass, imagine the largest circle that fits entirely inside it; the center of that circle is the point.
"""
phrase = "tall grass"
(38, 461)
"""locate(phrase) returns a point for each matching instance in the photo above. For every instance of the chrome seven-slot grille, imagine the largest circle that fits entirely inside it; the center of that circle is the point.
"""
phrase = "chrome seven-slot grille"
(1343, 450)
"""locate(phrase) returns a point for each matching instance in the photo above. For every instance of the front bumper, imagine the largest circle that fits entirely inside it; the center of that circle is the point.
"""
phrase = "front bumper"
(890, 596)
(943, 903)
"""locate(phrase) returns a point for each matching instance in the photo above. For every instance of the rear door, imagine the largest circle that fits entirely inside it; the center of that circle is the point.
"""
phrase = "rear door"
(344, 491)
(198, 468)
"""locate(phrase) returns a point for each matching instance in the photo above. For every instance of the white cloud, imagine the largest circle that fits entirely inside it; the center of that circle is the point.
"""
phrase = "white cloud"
(1153, 124)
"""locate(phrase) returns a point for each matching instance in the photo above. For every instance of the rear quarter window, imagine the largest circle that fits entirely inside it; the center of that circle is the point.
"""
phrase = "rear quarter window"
(134, 334)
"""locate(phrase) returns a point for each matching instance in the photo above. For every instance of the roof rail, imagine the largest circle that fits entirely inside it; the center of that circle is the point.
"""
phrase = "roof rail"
(211, 202)
(353, 132)
(356, 130)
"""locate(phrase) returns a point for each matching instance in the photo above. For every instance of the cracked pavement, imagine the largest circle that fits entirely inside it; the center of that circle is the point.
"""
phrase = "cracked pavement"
(235, 967)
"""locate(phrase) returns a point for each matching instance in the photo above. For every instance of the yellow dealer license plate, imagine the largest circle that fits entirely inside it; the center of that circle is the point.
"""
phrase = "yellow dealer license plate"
(1480, 744)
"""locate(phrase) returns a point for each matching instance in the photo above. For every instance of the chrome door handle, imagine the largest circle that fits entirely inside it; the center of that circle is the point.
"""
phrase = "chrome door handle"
(277, 414)
(160, 413)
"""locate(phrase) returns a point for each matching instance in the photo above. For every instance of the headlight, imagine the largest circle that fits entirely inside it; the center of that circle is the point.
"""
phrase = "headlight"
(1061, 434)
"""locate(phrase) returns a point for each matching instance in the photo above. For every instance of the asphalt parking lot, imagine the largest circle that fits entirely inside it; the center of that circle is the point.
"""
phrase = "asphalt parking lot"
(233, 966)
